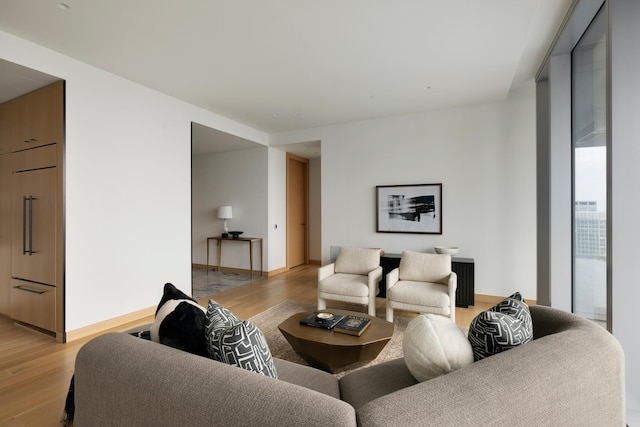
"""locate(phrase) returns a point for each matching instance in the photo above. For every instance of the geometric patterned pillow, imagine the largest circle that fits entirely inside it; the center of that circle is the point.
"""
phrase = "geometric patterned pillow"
(235, 342)
(515, 306)
(506, 325)
(242, 345)
(218, 318)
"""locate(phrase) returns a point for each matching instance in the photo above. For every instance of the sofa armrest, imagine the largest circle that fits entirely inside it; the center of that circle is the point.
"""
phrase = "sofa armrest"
(124, 380)
(573, 377)
(326, 271)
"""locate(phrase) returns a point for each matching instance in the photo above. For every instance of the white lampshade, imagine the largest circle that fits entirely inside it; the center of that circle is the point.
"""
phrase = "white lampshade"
(225, 212)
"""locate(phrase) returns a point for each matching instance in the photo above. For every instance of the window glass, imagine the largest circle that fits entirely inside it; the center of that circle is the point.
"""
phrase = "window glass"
(589, 139)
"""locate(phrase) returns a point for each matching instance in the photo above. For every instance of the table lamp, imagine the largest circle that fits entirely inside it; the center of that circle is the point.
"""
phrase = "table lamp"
(225, 212)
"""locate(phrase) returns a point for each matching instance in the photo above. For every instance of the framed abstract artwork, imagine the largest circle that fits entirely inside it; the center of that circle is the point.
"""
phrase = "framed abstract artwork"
(409, 208)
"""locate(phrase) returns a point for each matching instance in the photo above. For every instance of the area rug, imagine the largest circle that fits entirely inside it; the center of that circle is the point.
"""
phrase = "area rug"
(269, 320)
(205, 284)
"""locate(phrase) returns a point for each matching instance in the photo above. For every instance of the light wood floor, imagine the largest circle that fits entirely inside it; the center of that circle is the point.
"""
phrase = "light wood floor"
(35, 370)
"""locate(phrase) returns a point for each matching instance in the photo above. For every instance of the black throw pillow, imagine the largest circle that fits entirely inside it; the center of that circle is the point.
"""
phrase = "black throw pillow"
(179, 322)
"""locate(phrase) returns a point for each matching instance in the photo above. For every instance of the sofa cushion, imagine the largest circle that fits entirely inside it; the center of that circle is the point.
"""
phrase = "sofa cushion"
(307, 377)
(425, 294)
(179, 322)
(352, 285)
(357, 260)
(424, 267)
(361, 386)
(237, 342)
(506, 325)
(434, 345)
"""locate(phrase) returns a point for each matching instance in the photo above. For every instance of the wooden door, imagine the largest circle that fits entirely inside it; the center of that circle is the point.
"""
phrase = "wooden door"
(297, 210)
(33, 196)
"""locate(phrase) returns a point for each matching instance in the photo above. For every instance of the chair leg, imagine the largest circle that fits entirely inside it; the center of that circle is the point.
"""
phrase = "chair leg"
(372, 309)
(389, 313)
(322, 304)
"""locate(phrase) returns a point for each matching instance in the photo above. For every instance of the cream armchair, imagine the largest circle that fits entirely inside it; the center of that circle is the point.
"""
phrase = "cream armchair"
(424, 283)
(352, 278)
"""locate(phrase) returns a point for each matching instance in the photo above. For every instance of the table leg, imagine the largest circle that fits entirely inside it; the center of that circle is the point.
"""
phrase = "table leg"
(261, 256)
(207, 257)
(251, 257)
(219, 242)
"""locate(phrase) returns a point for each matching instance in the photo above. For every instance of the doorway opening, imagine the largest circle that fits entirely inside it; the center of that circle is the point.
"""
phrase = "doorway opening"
(297, 211)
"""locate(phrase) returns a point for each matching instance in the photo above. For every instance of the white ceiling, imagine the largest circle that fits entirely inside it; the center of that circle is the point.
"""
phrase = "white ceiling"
(282, 65)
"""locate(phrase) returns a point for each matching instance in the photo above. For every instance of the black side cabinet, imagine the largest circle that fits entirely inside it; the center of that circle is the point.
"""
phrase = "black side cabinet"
(463, 267)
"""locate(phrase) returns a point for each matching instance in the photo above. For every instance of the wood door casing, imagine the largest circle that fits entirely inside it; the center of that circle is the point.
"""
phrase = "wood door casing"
(297, 210)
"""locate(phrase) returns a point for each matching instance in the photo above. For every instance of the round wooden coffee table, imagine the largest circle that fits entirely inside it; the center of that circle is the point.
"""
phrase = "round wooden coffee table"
(329, 350)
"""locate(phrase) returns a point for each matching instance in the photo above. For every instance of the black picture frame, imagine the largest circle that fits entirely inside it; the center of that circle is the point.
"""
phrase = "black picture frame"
(415, 208)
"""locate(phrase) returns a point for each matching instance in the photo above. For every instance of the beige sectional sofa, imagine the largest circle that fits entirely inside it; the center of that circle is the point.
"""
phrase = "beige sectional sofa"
(572, 373)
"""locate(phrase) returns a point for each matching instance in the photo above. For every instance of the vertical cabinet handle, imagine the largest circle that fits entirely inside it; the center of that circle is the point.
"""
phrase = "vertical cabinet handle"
(24, 225)
(26, 199)
(30, 225)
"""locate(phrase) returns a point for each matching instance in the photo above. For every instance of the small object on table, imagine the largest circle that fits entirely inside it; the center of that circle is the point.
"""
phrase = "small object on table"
(236, 234)
(324, 316)
(321, 319)
(451, 250)
(352, 325)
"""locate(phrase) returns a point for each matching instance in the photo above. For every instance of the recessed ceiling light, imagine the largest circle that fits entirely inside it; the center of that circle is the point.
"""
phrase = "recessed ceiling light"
(64, 6)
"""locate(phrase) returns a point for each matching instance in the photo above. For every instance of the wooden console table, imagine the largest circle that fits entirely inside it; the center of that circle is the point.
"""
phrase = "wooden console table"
(249, 240)
(463, 267)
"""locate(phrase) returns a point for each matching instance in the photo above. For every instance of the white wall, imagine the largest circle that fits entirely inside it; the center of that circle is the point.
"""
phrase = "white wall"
(483, 155)
(128, 173)
(237, 179)
(560, 176)
(315, 210)
(127, 189)
(277, 222)
(625, 181)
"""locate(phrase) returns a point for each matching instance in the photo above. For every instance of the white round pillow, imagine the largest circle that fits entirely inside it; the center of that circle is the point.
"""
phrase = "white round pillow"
(434, 345)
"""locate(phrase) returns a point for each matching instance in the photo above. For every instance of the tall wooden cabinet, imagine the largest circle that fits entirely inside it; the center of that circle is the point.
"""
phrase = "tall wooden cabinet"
(35, 137)
(5, 233)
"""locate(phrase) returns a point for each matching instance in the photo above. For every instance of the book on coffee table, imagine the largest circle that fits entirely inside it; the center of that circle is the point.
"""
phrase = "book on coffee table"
(319, 319)
(352, 325)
